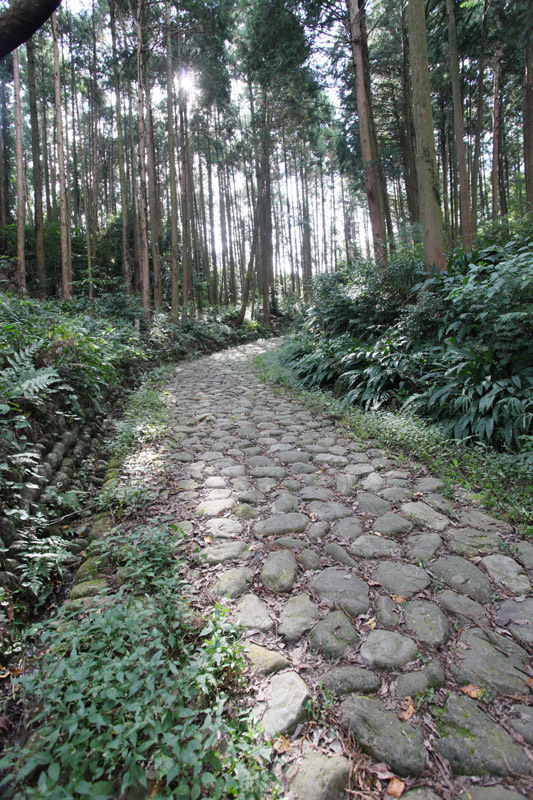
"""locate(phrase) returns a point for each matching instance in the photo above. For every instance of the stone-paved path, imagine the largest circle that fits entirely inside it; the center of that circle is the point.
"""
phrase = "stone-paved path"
(376, 613)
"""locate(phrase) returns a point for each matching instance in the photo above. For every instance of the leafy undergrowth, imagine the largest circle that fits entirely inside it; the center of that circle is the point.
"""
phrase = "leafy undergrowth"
(136, 691)
(499, 481)
(456, 348)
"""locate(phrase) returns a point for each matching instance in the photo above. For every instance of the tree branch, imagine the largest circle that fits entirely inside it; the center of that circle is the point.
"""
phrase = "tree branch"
(20, 21)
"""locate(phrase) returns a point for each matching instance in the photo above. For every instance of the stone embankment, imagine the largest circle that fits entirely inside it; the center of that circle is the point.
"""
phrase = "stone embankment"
(378, 616)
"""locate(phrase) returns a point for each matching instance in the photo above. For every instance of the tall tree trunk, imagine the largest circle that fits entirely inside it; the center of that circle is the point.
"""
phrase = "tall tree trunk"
(174, 243)
(427, 175)
(528, 121)
(216, 296)
(4, 166)
(126, 265)
(368, 150)
(21, 207)
(411, 189)
(66, 278)
(479, 122)
(458, 127)
(154, 202)
(266, 211)
(40, 262)
(186, 243)
(495, 178)
(143, 217)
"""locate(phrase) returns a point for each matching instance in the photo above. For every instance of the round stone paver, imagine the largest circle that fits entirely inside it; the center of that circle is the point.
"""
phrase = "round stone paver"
(391, 525)
(252, 614)
(328, 511)
(297, 617)
(402, 579)
(286, 704)
(337, 586)
(321, 778)
(234, 582)
(462, 576)
(368, 503)
(228, 551)
(507, 573)
(348, 679)
(333, 635)
(427, 622)
(279, 571)
(388, 649)
(281, 524)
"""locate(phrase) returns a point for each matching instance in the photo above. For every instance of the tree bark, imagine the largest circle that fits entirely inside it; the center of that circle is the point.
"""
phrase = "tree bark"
(154, 203)
(66, 278)
(20, 21)
(370, 166)
(21, 206)
(458, 127)
(174, 243)
(495, 178)
(40, 261)
(143, 218)
(479, 122)
(427, 175)
(528, 122)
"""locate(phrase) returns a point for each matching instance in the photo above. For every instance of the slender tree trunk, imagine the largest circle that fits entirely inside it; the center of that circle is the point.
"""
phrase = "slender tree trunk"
(134, 209)
(370, 166)
(528, 121)
(174, 243)
(4, 166)
(266, 211)
(186, 244)
(154, 203)
(216, 296)
(479, 122)
(411, 189)
(143, 217)
(66, 288)
(427, 175)
(40, 262)
(126, 265)
(496, 136)
(21, 207)
(459, 134)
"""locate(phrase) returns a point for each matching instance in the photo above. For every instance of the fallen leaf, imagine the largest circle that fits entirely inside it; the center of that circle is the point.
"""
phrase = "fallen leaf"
(372, 623)
(529, 682)
(398, 598)
(472, 690)
(5, 723)
(5, 674)
(395, 788)
(208, 539)
(407, 711)
(380, 771)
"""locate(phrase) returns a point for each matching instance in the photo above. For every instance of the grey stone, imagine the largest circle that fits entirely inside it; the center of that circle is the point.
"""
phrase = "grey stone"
(524, 551)
(302, 470)
(344, 680)
(523, 723)
(388, 649)
(368, 503)
(346, 484)
(310, 493)
(268, 472)
(470, 542)
(297, 617)
(333, 635)
(291, 485)
(286, 704)
(246, 511)
(251, 497)
(330, 460)
(424, 515)
(215, 482)
(228, 551)
(483, 663)
(360, 469)
(320, 777)
(508, 573)
(423, 546)
(440, 503)
(481, 520)
(87, 588)
(266, 484)
(260, 461)
(212, 508)
(428, 484)
(391, 525)
(234, 582)
(328, 511)
(290, 542)
(474, 744)
(285, 503)
(223, 528)
(383, 736)
(427, 622)
(347, 528)
(386, 612)
(339, 554)
(519, 618)
(317, 531)
(279, 571)
(264, 661)
(395, 494)
(373, 482)
(462, 607)
(235, 471)
(292, 456)
(462, 576)
(337, 586)
(403, 579)
(309, 559)
(432, 676)
(251, 613)
(422, 793)
(281, 524)
(371, 546)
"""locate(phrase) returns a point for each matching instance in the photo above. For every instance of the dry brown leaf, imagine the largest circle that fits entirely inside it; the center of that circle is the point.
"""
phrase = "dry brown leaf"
(208, 539)
(472, 690)
(529, 682)
(372, 623)
(398, 598)
(281, 745)
(408, 709)
(395, 788)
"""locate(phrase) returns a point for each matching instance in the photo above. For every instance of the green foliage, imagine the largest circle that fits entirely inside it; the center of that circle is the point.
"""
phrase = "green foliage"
(133, 693)
(456, 347)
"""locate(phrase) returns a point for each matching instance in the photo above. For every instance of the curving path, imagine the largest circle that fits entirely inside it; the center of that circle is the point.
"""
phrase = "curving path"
(388, 628)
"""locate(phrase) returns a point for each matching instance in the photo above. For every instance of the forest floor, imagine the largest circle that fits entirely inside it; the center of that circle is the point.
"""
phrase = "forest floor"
(387, 627)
